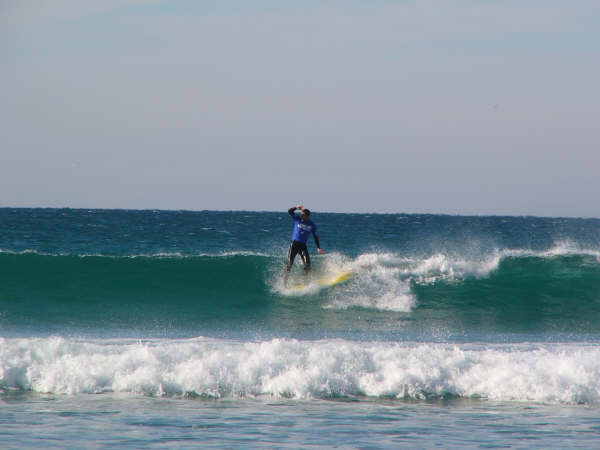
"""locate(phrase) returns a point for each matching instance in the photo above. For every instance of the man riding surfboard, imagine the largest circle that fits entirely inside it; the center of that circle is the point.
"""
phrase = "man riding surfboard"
(303, 227)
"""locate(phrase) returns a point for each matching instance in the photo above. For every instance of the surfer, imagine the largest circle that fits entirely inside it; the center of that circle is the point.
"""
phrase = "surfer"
(303, 227)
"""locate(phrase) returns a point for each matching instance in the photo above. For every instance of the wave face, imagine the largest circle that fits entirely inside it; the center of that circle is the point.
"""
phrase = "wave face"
(555, 291)
(220, 274)
(130, 292)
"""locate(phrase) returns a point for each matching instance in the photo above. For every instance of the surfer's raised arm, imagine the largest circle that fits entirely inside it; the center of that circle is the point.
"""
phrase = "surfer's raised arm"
(292, 210)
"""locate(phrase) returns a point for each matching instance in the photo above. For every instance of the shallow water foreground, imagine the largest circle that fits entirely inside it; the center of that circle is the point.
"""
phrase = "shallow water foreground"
(131, 421)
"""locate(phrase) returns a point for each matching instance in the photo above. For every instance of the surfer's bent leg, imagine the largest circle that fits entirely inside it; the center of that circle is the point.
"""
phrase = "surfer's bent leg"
(292, 252)
(305, 258)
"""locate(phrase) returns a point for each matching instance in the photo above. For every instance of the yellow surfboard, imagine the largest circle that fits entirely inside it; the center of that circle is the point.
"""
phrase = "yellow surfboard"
(330, 279)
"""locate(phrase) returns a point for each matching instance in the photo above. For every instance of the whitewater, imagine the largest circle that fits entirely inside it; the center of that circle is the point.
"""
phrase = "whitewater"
(289, 368)
(179, 322)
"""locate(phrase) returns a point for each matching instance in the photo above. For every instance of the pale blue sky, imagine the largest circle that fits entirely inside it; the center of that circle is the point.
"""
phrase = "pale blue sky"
(459, 107)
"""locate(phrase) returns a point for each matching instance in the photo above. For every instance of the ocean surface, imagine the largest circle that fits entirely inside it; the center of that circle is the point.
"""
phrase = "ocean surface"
(176, 329)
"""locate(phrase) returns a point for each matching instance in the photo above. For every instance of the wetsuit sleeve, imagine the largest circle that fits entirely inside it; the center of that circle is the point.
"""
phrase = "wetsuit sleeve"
(314, 232)
(291, 211)
(317, 241)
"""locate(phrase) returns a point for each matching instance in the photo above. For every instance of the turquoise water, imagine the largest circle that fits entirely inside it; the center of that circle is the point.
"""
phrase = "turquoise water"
(176, 328)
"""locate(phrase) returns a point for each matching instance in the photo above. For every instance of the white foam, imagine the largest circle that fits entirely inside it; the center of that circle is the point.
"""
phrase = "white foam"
(158, 255)
(332, 263)
(379, 282)
(557, 373)
(241, 253)
(432, 267)
(561, 248)
(383, 280)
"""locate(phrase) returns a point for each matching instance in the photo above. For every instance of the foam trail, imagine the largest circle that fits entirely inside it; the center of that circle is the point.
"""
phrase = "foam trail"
(384, 280)
(556, 373)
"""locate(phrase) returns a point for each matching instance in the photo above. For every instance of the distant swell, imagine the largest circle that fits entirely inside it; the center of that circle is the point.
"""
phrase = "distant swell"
(558, 373)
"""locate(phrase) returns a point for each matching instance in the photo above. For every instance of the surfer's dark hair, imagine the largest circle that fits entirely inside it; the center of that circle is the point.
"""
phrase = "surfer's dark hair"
(307, 211)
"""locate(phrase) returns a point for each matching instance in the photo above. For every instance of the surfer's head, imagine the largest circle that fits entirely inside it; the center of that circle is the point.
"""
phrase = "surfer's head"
(305, 213)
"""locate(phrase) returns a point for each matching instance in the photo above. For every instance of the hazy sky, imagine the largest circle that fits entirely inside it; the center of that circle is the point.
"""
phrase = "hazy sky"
(459, 107)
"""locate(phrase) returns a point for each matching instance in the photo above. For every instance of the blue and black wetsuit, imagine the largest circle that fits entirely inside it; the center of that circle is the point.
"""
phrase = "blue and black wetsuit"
(302, 229)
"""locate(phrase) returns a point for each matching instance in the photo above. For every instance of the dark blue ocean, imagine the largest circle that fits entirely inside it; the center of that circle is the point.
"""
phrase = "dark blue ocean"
(175, 328)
